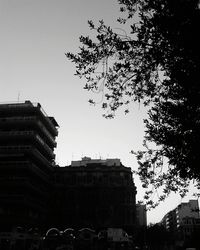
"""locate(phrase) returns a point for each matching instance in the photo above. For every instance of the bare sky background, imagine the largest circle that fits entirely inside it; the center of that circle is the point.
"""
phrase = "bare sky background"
(35, 34)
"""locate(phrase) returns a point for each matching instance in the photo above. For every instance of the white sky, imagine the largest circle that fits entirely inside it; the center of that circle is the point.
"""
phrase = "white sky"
(35, 34)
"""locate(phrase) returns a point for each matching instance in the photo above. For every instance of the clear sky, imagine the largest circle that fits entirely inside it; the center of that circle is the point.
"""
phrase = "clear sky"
(35, 34)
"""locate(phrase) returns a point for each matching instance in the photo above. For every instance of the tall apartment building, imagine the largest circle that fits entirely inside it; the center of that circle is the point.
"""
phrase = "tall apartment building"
(96, 193)
(183, 220)
(27, 142)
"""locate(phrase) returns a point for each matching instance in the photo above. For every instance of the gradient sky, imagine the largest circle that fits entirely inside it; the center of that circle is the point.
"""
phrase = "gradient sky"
(35, 34)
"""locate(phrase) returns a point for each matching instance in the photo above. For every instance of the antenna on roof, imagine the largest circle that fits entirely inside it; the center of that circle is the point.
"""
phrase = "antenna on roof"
(18, 96)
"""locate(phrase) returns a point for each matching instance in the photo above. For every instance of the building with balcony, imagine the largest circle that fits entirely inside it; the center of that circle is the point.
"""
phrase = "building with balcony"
(35, 192)
(96, 194)
(183, 221)
(27, 142)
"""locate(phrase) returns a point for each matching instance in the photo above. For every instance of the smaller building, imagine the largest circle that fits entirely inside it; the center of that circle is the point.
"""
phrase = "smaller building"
(183, 221)
(141, 215)
(94, 193)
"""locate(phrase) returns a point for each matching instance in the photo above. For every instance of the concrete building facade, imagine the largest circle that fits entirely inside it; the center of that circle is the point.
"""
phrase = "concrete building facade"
(96, 194)
(27, 142)
(183, 221)
(34, 192)
(141, 215)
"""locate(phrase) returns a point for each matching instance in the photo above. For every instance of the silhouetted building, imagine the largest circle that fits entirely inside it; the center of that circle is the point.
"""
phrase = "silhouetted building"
(183, 221)
(96, 194)
(27, 142)
(141, 215)
(34, 192)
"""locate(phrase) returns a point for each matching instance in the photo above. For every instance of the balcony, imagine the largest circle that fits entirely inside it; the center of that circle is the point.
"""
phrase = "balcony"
(26, 149)
(17, 184)
(41, 159)
(24, 121)
(15, 149)
(22, 136)
(28, 108)
(18, 165)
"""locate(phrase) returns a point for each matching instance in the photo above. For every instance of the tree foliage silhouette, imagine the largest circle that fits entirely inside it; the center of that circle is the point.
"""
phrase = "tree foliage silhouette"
(156, 64)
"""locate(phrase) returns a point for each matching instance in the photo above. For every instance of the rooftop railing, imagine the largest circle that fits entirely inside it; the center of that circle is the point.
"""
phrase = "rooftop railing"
(31, 104)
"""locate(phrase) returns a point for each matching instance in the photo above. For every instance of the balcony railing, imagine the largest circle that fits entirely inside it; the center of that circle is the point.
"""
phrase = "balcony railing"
(22, 182)
(26, 164)
(30, 134)
(32, 119)
(26, 148)
(28, 104)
